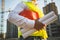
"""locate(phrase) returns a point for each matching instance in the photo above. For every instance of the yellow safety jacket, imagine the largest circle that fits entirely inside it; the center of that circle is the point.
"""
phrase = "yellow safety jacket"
(41, 32)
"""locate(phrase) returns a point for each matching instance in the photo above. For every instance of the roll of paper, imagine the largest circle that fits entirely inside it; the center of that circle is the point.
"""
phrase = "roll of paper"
(50, 20)
(47, 16)
(25, 30)
(28, 33)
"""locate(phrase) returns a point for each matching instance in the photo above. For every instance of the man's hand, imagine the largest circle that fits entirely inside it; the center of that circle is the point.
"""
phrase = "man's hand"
(39, 25)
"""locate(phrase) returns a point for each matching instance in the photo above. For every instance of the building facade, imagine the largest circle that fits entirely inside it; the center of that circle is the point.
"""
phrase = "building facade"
(12, 30)
(52, 29)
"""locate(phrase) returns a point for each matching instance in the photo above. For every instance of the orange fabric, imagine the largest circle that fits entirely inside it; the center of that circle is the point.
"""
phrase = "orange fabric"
(29, 14)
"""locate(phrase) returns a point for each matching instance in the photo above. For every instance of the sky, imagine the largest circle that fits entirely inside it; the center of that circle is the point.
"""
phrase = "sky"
(10, 5)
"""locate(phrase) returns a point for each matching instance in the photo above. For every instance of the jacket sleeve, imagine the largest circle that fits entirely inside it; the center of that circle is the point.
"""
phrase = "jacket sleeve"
(19, 20)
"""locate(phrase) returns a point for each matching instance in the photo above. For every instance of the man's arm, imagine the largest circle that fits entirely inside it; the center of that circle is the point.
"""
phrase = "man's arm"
(19, 20)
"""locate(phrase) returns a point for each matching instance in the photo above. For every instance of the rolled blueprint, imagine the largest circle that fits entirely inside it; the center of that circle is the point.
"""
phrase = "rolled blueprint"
(47, 19)
(50, 14)
(28, 33)
(25, 30)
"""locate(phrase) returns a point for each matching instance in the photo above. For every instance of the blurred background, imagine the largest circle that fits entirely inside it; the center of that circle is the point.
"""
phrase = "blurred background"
(9, 30)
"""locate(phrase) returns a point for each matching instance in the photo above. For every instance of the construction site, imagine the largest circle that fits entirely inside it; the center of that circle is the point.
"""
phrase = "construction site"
(9, 31)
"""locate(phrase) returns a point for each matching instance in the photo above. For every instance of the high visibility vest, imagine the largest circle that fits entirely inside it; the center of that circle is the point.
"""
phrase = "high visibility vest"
(34, 13)
(33, 7)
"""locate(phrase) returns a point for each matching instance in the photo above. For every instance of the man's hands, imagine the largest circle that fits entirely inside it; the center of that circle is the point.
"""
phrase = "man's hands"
(39, 25)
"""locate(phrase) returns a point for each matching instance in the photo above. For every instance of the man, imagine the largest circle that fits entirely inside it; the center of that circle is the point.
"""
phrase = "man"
(23, 22)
